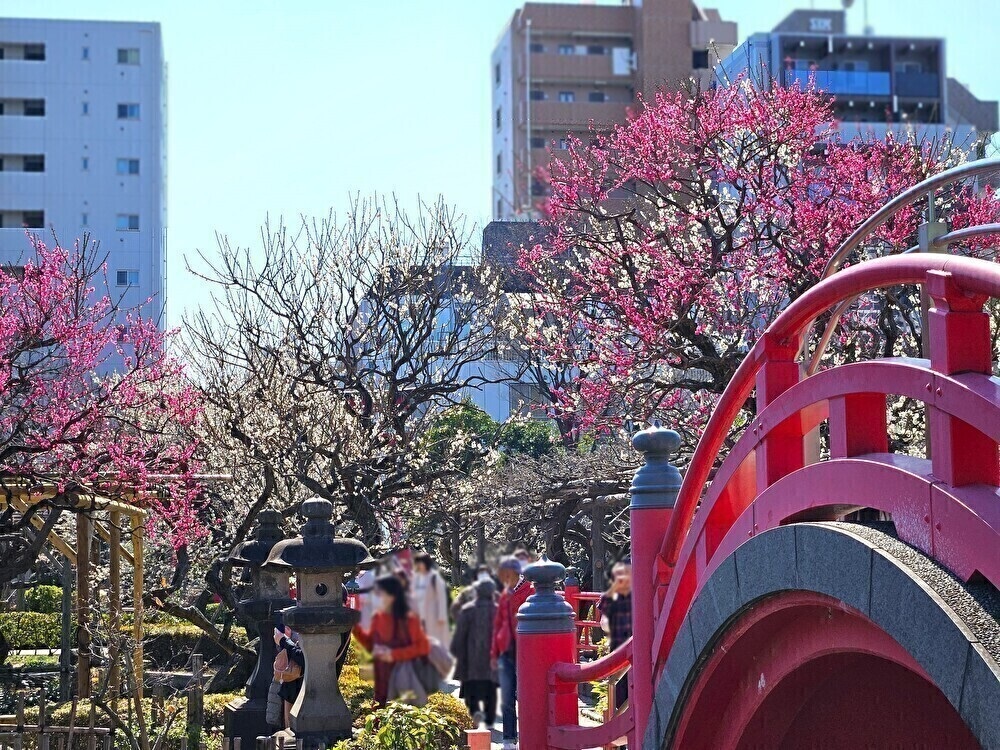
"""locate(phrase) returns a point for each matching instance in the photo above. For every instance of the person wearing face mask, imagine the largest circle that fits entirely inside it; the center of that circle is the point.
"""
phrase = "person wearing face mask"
(395, 634)
(430, 598)
(468, 594)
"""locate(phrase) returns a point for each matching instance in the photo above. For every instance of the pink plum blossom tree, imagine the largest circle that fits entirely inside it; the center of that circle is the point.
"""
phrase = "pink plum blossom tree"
(69, 433)
(674, 238)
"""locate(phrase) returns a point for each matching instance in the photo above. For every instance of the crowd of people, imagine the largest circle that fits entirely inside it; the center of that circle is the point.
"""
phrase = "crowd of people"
(410, 625)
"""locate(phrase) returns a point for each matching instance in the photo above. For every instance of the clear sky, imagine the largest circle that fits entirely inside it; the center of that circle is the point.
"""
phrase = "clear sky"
(290, 107)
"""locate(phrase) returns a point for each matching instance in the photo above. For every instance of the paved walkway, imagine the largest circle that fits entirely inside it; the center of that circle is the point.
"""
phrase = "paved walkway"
(497, 738)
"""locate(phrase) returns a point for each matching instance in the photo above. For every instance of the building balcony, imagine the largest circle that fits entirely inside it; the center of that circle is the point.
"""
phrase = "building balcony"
(705, 34)
(925, 85)
(576, 115)
(19, 189)
(841, 82)
(28, 133)
(590, 68)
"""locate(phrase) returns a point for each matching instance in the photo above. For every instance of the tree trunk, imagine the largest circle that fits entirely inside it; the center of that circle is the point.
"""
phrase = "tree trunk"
(598, 561)
(481, 544)
(456, 553)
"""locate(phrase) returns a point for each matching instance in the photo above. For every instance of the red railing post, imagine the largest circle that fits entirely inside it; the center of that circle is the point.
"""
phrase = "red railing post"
(654, 493)
(546, 636)
(959, 337)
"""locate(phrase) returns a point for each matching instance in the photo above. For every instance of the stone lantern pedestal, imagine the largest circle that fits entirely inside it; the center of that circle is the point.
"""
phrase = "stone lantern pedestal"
(245, 718)
(320, 560)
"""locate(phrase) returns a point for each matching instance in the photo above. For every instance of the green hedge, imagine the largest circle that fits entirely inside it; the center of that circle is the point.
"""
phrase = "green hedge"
(45, 599)
(31, 630)
(171, 646)
(167, 646)
(177, 706)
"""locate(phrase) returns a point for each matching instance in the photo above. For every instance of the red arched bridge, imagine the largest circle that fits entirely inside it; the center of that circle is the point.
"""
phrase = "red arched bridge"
(767, 620)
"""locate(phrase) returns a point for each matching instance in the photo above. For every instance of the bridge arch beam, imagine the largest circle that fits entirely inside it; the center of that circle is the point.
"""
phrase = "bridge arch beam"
(798, 610)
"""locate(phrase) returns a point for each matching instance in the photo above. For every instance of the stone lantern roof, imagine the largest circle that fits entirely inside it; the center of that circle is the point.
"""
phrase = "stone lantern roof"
(253, 552)
(318, 548)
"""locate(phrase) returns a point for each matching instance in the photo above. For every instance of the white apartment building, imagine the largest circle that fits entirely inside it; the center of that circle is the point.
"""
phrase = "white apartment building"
(83, 146)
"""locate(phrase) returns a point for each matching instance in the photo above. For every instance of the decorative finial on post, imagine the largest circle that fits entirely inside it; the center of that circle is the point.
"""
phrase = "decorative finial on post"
(545, 611)
(657, 481)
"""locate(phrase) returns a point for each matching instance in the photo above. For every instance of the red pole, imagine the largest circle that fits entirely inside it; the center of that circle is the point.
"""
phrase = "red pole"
(654, 492)
(546, 635)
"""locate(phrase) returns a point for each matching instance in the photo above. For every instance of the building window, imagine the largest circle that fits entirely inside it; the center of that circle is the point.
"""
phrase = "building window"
(85, 163)
(496, 74)
(596, 49)
(84, 219)
(567, 96)
(34, 163)
(537, 47)
(33, 219)
(127, 223)
(699, 59)
(597, 96)
(567, 49)
(128, 111)
(127, 278)
(563, 144)
(499, 163)
(86, 53)
(128, 56)
(34, 108)
(537, 142)
(85, 109)
(537, 95)
(499, 208)
(127, 166)
(34, 52)
(498, 118)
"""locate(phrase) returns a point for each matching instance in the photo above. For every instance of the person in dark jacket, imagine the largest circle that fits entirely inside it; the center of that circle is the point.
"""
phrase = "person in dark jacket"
(295, 662)
(470, 645)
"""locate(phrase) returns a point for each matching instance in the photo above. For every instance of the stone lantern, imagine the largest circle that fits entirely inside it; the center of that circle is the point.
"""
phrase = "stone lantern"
(321, 561)
(267, 594)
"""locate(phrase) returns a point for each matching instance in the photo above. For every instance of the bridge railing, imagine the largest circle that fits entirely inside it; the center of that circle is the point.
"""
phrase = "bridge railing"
(958, 480)
(770, 476)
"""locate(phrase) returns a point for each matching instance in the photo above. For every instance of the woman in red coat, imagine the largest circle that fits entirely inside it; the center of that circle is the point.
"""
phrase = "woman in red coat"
(395, 634)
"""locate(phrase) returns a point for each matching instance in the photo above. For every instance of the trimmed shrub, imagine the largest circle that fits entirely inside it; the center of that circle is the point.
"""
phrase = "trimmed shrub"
(398, 726)
(357, 654)
(358, 693)
(452, 708)
(44, 599)
(31, 630)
